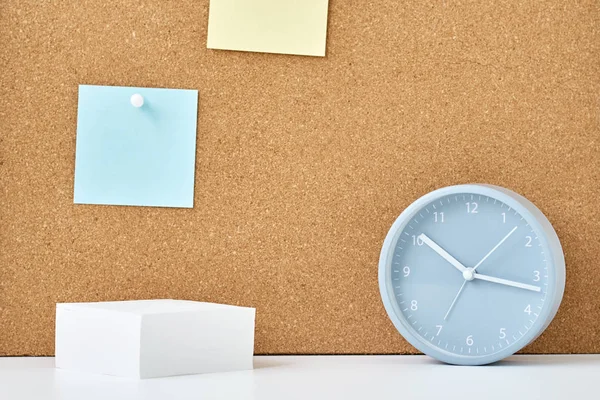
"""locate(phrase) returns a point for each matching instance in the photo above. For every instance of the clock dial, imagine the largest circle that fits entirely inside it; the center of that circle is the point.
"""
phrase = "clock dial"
(469, 277)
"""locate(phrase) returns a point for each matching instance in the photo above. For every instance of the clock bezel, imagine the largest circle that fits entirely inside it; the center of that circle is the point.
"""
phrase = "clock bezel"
(540, 225)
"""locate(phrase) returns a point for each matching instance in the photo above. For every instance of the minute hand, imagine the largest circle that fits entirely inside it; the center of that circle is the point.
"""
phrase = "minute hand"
(506, 282)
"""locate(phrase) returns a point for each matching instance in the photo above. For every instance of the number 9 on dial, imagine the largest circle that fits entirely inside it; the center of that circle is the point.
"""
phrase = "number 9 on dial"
(471, 274)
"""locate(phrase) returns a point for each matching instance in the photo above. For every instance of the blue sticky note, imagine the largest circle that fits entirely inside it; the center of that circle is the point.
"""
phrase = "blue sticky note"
(135, 156)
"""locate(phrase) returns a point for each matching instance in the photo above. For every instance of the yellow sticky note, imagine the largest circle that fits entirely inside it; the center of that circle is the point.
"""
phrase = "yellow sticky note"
(269, 26)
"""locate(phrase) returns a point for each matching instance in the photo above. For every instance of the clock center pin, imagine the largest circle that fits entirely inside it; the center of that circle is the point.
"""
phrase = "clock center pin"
(468, 274)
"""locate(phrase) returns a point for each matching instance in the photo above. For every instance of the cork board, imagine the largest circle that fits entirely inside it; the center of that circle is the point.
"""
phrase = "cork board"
(302, 163)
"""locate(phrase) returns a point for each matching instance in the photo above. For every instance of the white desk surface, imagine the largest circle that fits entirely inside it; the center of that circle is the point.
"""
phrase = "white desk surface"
(321, 377)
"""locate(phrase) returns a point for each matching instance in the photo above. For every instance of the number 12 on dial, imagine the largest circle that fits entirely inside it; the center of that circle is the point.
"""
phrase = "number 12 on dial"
(471, 274)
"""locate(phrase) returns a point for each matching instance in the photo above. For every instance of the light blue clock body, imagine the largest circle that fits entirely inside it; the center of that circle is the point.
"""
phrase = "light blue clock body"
(471, 274)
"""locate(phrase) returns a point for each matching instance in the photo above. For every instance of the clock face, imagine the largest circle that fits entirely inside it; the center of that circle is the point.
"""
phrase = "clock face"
(469, 274)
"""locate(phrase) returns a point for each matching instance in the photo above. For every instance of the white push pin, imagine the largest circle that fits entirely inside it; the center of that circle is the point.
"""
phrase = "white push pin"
(137, 100)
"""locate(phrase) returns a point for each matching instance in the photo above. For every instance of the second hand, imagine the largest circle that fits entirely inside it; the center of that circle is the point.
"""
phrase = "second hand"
(455, 298)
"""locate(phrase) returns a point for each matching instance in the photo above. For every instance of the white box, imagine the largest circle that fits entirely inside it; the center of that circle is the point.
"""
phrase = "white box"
(153, 338)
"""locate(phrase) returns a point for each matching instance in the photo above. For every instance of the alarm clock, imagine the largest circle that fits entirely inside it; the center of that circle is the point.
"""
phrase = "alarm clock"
(471, 274)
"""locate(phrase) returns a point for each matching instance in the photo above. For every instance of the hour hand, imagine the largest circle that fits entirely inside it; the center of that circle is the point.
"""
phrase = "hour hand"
(443, 253)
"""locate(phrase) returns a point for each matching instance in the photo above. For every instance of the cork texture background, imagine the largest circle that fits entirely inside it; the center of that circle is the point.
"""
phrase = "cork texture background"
(302, 163)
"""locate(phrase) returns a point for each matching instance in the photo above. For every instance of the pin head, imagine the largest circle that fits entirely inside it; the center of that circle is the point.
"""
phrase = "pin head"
(137, 100)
